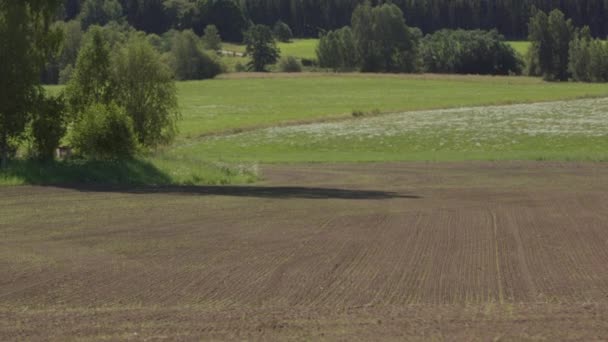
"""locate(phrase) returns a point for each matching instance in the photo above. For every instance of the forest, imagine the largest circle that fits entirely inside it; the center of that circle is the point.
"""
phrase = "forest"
(309, 18)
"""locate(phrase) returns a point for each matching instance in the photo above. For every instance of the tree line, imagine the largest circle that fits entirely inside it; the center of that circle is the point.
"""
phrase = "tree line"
(378, 40)
(308, 18)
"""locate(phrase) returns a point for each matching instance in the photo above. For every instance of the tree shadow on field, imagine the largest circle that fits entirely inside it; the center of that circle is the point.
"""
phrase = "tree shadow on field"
(280, 192)
(134, 177)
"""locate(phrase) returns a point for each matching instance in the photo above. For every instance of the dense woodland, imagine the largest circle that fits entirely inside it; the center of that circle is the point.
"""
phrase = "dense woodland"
(307, 18)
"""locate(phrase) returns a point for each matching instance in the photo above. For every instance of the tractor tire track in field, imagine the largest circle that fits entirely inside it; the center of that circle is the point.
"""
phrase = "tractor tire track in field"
(428, 251)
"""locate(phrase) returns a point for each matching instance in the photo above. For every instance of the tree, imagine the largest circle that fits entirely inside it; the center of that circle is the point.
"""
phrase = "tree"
(91, 79)
(143, 85)
(228, 17)
(211, 38)
(282, 32)
(189, 61)
(262, 47)
(551, 36)
(27, 42)
(580, 56)
(48, 126)
(382, 39)
(100, 12)
(181, 13)
(72, 38)
(336, 50)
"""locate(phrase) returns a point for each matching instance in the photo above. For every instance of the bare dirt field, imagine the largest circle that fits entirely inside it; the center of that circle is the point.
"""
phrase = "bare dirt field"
(460, 251)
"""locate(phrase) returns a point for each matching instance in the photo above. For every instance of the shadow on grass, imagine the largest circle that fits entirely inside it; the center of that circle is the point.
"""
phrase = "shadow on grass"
(142, 177)
(281, 192)
(124, 172)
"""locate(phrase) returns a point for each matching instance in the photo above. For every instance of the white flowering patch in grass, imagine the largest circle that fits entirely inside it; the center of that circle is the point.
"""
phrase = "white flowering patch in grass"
(589, 117)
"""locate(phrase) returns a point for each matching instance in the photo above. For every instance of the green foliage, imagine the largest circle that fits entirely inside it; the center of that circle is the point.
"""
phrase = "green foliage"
(211, 39)
(91, 81)
(261, 47)
(383, 41)
(189, 61)
(100, 12)
(27, 43)
(105, 132)
(336, 50)
(183, 14)
(143, 85)
(469, 52)
(282, 32)
(72, 38)
(550, 36)
(290, 64)
(588, 59)
(228, 17)
(48, 126)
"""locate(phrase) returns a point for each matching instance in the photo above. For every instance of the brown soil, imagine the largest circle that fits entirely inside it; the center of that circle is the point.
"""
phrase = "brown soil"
(475, 251)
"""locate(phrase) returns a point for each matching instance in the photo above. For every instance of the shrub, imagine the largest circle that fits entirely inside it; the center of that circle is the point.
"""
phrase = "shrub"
(307, 62)
(104, 132)
(48, 126)
(282, 32)
(290, 64)
(239, 67)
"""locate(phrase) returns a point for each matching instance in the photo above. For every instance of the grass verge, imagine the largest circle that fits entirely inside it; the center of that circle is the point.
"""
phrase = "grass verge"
(157, 171)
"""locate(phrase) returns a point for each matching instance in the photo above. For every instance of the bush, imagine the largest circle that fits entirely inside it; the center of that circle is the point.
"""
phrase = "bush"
(290, 64)
(104, 132)
(48, 126)
(469, 52)
(282, 32)
(307, 62)
(239, 67)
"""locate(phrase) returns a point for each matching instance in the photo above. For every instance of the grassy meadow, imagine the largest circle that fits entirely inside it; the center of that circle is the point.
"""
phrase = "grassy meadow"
(562, 130)
(239, 102)
(520, 46)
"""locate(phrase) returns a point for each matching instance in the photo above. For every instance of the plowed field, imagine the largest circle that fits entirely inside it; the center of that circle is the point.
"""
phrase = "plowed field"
(483, 251)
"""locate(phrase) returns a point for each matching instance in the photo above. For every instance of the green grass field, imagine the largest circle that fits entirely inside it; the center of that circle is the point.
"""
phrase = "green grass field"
(563, 130)
(520, 46)
(247, 101)
(301, 48)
